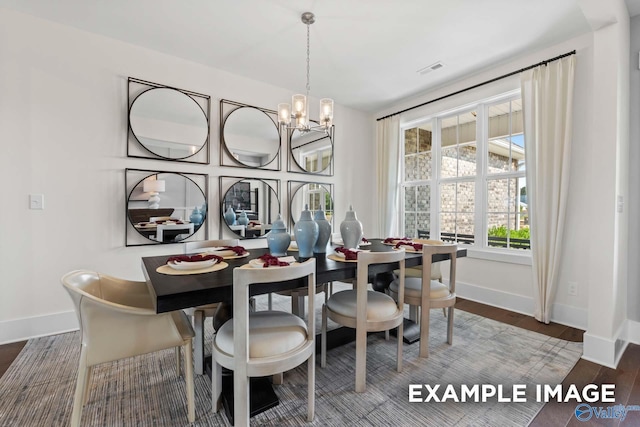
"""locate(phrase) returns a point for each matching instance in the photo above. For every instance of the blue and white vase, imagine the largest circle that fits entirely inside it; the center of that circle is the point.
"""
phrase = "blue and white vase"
(196, 216)
(324, 232)
(278, 239)
(230, 216)
(351, 230)
(243, 219)
(306, 232)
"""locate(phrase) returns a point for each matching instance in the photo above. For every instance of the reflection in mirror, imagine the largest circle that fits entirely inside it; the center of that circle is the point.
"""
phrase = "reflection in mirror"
(312, 151)
(251, 136)
(255, 198)
(317, 196)
(168, 123)
(166, 207)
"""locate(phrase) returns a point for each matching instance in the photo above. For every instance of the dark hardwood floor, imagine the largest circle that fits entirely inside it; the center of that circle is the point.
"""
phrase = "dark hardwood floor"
(626, 377)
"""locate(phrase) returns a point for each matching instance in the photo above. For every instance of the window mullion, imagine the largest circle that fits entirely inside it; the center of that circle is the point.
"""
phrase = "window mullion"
(435, 179)
(481, 169)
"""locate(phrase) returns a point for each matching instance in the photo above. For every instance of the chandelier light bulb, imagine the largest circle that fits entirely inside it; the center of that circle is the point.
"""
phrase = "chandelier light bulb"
(284, 113)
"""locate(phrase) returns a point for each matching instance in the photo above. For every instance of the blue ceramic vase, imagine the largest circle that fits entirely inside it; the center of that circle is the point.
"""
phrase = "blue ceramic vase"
(196, 216)
(351, 230)
(324, 232)
(306, 232)
(230, 216)
(278, 239)
(243, 219)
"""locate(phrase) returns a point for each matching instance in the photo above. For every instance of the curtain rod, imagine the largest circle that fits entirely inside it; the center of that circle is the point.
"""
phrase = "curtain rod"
(545, 62)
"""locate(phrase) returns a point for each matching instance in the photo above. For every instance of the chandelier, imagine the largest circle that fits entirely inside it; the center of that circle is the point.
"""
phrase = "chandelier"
(300, 112)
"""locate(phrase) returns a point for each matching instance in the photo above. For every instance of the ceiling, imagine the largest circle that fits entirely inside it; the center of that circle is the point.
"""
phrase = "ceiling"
(364, 55)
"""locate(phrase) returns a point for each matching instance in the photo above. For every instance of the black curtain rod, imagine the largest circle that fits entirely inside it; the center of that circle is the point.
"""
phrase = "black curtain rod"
(545, 62)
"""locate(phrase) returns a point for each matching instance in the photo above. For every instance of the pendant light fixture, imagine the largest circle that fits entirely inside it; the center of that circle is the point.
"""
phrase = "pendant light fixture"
(295, 116)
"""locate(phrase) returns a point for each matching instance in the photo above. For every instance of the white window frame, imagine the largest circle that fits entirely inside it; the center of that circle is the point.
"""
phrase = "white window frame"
(479, 249)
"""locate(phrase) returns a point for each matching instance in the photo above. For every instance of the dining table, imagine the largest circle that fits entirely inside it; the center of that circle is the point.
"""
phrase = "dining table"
(179, 291)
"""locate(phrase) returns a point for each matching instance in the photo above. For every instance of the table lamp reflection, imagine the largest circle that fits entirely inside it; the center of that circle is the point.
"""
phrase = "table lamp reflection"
(154, 188)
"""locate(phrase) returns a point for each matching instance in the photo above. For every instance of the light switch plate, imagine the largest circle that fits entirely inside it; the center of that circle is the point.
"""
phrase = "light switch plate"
(36, 201)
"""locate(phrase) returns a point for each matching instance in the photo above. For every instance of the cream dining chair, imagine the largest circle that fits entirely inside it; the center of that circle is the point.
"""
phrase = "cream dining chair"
(117, 320)
(198, 314)
(440, 295)
(263, 343)
(366, 311)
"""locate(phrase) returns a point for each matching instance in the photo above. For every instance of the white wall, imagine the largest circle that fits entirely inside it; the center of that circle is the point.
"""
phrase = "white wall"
(633, 203)
(63, 124)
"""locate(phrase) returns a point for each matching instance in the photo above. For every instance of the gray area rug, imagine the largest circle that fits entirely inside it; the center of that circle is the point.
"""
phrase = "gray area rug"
(38, 388)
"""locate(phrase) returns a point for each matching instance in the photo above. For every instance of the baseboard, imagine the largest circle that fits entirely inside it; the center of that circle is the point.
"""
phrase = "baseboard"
(633, 331)
(37, 326)
(560, 313)
(605, 351)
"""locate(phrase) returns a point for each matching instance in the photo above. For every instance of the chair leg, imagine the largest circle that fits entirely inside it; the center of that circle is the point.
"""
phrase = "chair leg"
(87, 385)
(188, 377)
(198, 359)
(400, 335)
(444, 311)
(361, 360)
(240, 400)
(323, 338)
(178, 361)
(216, 385)
(386, 335)
(78, 399)
(277, 379)
(450, 326)
(424, 332)
(311, 387)
(270, 301)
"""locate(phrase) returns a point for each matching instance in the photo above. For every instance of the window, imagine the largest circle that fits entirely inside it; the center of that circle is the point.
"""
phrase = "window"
(463, 176)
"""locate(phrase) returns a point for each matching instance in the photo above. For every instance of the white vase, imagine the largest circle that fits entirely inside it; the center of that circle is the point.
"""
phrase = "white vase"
(351, 230)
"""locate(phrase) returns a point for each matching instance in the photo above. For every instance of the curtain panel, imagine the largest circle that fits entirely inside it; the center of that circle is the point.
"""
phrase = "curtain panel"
(547, 103)
(387, 180)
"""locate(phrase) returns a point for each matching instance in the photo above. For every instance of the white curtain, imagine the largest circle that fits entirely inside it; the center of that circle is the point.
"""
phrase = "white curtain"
(388, 180)
(547, 104)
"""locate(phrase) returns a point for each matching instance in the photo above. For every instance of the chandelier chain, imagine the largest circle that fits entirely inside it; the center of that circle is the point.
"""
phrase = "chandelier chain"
(308, 62)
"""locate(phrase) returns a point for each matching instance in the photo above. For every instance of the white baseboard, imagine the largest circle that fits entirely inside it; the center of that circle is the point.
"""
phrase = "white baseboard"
(633, 331)
(563, 314)
(605, 351)
(37, 326)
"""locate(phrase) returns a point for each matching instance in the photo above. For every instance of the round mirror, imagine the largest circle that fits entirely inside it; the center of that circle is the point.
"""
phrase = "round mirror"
(312, 151)
(251, 136)
(249, 208)
(316, 196)
(168, 123)
(166, 207)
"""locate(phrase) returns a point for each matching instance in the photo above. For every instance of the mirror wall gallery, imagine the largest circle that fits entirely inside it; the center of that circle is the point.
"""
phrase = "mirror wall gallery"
(172, 126)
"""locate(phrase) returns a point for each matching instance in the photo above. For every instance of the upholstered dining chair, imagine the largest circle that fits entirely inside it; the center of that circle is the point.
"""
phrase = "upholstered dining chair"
(440, 295)
(366, 311)
(436, 274)
(117, 321)
(263, 343)
(198, 314)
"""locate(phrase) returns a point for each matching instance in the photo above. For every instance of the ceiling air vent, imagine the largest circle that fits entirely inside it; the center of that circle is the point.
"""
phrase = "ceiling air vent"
(430, 68)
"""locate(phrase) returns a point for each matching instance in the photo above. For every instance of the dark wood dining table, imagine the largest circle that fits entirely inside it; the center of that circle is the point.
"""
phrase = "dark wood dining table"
(175, 292)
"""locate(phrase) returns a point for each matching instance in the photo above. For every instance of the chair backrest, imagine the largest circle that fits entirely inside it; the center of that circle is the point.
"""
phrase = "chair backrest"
(109, 310)
(436, 274)
(246, 275)
(192, 246)
(365, 259)
(427, 265)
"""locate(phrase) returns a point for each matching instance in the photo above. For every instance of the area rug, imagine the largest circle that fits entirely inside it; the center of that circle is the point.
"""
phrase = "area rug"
(37, 389)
